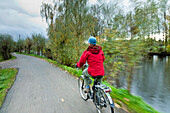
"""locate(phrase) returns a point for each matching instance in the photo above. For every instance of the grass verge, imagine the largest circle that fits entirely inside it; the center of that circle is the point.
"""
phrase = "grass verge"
(7, 78)
(122, 97)
(1, 59)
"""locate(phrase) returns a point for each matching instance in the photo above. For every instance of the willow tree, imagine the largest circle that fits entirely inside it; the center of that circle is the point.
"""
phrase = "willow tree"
(80, 19)
(57, 30)
(29, 44)
(39, 43)
(141, 22)
(124, 46)
(168, 18)
(6, 46)
(103, 13)
(164, 8)
(72, 23)
(20, 44)
(153, 22)
(96, 12)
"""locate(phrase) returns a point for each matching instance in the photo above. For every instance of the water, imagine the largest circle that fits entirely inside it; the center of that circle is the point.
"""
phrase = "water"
(152, 82)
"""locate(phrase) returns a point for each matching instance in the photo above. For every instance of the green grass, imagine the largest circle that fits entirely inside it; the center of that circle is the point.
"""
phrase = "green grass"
(7, 78)
(1, 58)
(122, 97)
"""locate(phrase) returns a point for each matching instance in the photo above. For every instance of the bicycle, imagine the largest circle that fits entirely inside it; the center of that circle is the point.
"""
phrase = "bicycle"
(99, 94)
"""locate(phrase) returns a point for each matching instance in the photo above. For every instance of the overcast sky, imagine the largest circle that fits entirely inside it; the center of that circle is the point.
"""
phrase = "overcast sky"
(21, 17)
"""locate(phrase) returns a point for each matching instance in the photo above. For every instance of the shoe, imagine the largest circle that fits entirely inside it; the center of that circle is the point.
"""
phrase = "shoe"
(87, 89)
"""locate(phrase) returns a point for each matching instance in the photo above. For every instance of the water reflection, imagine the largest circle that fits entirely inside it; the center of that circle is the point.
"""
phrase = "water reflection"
(152, 82)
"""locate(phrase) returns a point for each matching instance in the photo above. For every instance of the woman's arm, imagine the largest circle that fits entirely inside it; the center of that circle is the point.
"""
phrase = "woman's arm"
(83, 59)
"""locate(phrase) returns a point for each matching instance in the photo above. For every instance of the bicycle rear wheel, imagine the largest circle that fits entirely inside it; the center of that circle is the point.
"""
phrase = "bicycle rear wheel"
(101, 102)
(81, 86)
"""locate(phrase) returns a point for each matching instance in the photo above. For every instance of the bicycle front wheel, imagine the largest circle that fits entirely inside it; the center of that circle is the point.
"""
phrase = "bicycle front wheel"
(81, 86)
(101, 102)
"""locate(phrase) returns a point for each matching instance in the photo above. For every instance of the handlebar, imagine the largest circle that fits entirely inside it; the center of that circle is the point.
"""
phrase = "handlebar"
(85, 66)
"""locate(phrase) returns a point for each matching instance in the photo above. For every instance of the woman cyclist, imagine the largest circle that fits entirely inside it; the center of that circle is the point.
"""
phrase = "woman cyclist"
(95, 58)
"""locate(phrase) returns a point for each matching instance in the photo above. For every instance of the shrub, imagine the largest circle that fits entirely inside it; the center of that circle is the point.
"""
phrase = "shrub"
(168, 48)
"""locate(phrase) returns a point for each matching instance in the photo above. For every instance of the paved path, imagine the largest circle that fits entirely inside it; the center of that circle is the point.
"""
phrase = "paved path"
(42, 88)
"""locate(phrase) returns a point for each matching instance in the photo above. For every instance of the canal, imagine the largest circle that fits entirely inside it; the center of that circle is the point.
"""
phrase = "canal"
(152, 82)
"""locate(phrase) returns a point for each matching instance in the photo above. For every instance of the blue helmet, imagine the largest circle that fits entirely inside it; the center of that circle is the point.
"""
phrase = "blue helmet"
(92, 40)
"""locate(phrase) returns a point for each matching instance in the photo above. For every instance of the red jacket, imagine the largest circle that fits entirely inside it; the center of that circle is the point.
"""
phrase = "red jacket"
(95, 58)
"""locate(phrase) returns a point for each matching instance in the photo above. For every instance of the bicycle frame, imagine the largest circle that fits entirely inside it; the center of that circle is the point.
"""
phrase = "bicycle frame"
(108, 97)
(99, 93)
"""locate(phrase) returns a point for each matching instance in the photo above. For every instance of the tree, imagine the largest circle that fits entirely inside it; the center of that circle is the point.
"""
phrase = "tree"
(122, 35)
(20, 45)
(29, 43)
(42, 44)
(163, 6)
(6, 45)
(72, 25)
(80, 19)
(168, 18)
(122, 55)
(39, 43)
(47, 51)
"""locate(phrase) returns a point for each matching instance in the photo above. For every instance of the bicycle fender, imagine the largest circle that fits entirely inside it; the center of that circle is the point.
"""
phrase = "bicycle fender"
(110, 101)
(82, 76)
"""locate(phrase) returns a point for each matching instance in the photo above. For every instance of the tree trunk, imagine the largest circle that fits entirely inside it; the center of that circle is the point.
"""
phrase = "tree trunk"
(41, 51)
(129, 79)
(166, 33)
(5, 54)
(20, 50)
(9, 53)
(29, 49)
(38, 51)
(25, 50)
(169, 36)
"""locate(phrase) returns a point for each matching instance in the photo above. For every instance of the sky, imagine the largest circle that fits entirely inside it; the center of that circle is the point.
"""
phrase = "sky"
(21, 17)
